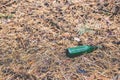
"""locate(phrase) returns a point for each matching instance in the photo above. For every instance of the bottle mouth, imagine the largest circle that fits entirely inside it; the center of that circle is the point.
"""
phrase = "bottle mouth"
(96, 47)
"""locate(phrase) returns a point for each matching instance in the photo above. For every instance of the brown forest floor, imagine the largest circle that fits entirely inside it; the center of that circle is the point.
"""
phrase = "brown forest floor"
(35, 33)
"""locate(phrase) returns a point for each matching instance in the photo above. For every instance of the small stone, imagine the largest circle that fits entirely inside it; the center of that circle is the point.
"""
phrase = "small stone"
(82, 71)
(76, 39)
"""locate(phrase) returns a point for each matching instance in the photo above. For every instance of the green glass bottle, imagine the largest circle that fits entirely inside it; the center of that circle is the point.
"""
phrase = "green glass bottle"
(79, 50)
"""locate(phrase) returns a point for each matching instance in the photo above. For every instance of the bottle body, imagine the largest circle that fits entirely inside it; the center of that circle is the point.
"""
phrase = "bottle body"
(79, 50)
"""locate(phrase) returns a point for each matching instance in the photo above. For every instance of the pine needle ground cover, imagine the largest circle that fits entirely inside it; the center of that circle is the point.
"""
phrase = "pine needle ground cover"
(34, 35)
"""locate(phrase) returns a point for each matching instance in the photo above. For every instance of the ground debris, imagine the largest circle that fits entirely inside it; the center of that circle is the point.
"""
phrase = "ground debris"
(34, 35)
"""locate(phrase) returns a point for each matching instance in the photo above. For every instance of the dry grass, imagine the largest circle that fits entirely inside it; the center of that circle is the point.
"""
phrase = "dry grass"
(35, 33)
